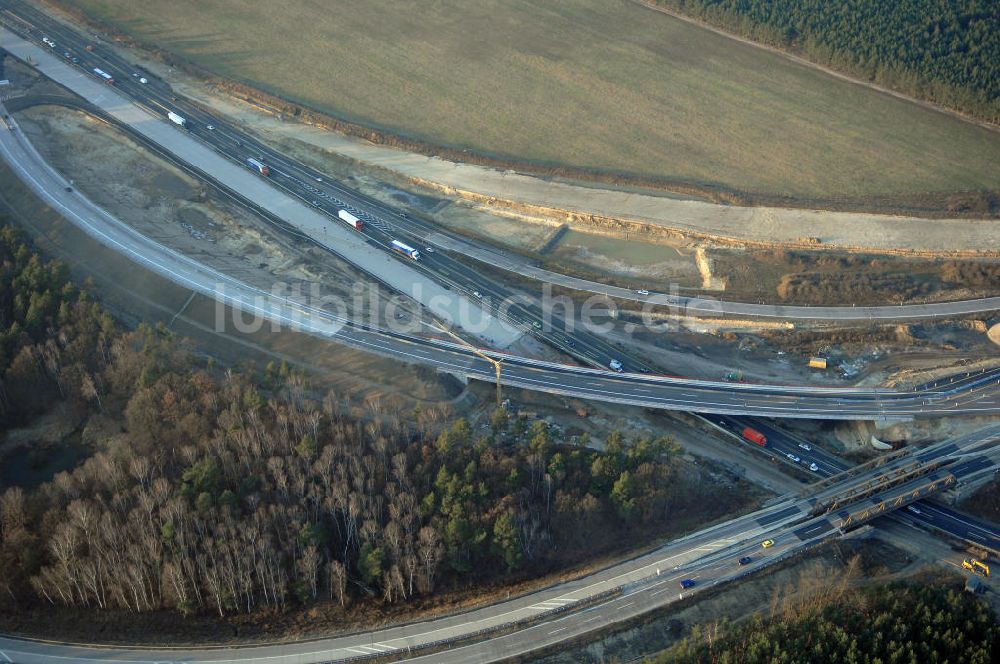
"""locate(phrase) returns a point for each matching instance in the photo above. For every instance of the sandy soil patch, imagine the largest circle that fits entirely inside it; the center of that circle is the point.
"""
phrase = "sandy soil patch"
(365, 381)
(994, 334)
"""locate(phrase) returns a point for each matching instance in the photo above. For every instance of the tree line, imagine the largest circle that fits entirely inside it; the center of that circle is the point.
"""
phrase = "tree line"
(225, 491)
(944, 51)
(896, 623)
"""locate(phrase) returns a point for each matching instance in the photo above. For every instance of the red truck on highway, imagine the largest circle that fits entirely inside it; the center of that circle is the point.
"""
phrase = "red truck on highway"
(755, 436)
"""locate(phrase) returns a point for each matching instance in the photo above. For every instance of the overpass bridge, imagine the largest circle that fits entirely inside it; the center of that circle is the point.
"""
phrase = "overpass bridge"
(573, 608)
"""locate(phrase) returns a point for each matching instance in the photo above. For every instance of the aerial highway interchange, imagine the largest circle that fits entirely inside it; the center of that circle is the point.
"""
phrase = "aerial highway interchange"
(638, 387)
(708, 557)
(977, 394)
(572, 608)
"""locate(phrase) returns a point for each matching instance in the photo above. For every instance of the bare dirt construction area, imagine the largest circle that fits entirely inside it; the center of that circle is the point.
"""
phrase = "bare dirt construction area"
(183, 214)
(586, 84)
(751, 274)
(25, 81)
(179, 211)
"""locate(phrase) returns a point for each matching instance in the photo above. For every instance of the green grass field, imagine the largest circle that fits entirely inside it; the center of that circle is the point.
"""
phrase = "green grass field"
(602, 84)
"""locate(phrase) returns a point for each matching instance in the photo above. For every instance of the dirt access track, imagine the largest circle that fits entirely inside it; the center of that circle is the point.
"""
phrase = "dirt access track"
(589, 206)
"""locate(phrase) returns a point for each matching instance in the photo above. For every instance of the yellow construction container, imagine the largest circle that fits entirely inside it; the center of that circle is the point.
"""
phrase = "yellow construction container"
(817, 362)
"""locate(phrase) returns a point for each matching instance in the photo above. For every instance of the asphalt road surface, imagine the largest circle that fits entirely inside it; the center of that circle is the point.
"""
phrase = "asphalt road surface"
(924, 514)
(552, 615)
(386, 223)
(587, 346)
(975, 392)
(305, 179)
(978, 394)
(695, 306)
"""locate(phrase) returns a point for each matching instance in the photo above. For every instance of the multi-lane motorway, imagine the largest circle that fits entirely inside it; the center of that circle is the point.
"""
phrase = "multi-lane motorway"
(386, 223)
(700, 306)
(181, 268)
(980, 396)
(549, 616)
(628, 589)
(781, 444)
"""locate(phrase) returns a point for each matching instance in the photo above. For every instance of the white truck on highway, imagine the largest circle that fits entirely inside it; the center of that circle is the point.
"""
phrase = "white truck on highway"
(350, 220)
(104, 76)
(616, 365)
(406, 250)
(259, 166)
(176, 119)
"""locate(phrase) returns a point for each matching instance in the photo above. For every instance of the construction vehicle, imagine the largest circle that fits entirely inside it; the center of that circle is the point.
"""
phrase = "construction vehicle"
(976, 566)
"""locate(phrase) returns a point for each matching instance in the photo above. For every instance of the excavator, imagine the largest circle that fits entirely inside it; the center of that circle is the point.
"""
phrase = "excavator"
(976, 566)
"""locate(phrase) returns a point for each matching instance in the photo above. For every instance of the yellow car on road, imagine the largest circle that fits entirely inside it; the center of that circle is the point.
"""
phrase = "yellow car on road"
(767, 543)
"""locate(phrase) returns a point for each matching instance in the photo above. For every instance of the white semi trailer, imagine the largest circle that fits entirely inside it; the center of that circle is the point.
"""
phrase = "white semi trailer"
(406, 250)
(350, 220)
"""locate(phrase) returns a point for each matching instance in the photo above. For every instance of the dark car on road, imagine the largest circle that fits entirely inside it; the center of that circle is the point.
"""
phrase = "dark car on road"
(687, 583)
(745, 560)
